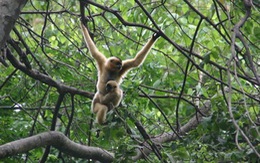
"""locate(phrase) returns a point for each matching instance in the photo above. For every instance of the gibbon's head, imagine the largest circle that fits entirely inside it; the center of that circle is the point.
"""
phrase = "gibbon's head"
(111, 86)
(114, 64)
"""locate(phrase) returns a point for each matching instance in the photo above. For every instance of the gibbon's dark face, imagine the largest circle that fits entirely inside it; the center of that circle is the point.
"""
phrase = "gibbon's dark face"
(111, 86)
(114, 64)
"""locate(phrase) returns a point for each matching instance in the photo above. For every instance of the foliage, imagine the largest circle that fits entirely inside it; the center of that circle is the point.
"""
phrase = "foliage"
(196, 62)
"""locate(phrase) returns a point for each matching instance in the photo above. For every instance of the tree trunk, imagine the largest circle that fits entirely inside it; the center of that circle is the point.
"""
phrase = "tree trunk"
(9, 12)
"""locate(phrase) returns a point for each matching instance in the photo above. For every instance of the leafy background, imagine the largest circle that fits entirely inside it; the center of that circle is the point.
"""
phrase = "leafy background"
(192, 63)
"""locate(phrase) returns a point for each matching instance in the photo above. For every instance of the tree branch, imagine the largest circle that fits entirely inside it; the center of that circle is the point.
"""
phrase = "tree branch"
(59, 141)
(9, 12)
(53, 125)
(120, 18)
(171, 136)
(237, 34)
(148, 140)
(46, 79)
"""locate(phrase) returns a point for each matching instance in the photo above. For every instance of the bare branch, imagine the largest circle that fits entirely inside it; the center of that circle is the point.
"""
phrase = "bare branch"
(57, 140)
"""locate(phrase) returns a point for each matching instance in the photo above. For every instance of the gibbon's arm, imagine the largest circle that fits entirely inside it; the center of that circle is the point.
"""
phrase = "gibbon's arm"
(140, 56)
(97, 55)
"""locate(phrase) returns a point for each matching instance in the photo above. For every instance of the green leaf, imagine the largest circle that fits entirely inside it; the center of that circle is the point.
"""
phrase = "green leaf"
(257, 32)
(206, 58)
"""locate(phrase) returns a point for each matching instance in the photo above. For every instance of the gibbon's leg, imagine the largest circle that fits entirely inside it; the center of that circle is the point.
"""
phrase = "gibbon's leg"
(99, 109)
(101, 113)
(95, 100)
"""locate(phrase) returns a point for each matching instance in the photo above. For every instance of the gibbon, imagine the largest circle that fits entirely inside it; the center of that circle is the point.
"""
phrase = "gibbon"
(112, 68)
(104, 103)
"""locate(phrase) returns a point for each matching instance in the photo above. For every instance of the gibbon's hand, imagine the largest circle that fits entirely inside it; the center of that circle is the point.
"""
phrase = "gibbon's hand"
(156, 35)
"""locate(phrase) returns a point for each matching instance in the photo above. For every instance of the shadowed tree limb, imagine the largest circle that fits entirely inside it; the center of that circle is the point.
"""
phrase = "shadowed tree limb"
(57, 140)
(46, 79)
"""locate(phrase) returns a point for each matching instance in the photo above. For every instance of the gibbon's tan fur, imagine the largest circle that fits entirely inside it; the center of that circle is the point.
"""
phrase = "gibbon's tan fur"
(113, 68)
(104, 103)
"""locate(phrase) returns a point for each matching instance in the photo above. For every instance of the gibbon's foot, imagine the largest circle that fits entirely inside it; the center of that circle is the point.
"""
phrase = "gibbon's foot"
(105, 123)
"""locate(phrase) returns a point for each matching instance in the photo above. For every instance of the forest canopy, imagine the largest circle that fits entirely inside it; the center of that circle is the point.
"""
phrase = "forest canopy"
(196, 97)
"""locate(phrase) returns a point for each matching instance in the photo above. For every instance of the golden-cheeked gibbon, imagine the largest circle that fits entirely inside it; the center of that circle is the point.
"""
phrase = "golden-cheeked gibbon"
(112, 68)
(106, 102)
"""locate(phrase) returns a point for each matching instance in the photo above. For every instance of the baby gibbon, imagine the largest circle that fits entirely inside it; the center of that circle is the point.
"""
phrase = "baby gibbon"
(104, 103)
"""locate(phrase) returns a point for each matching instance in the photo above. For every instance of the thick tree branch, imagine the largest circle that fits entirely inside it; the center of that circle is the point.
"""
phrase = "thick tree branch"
(9, 12)
(45, 79)
(57, 140)
(171, 136)
(21, 53)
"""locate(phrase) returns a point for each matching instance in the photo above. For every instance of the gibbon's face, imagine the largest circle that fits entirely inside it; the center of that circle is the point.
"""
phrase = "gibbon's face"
(114, 64)
(111, 86)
